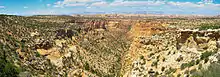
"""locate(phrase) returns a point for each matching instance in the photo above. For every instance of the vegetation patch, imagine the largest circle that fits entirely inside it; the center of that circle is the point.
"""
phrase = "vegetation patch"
(185, 65)
(212, 71)
(206, 55)
(171, 70)
(206, 26)
(7, 69)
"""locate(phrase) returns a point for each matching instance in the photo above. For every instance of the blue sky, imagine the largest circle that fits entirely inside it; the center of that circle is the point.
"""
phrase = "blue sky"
(68, 7)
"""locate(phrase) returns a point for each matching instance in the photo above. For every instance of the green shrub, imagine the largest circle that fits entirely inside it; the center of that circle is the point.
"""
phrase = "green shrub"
(87, 66)
(171, 70)
(183, 66)
(169, 53)
(206, 60)
(179, 59)
(164, 59)
(197, 61)
(7, 69)
(151, 54)
(179, 75)
(37, 54)
(206, 26)
(163, 68)
(129, 27)
(206, 55)
(212, 71)
(192, 71)
(141, 57)
(191, 63)
(200, 66)
(154, 63)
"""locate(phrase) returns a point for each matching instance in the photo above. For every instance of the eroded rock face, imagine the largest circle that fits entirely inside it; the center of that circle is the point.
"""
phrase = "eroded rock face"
(147, 29)
(62, 33)
(91, 24)
(44, 45)
(201, 40)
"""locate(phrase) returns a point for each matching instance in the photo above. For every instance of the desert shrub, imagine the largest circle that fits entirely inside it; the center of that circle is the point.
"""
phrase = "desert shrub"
(141, 57)
(206, 55)
(154, 63)
(163, 68)
(87, 66)
(129, 27)
(200, 66)
(169, 53)
(197, 61)
(7, 69)
(212, 71)
(151, 54)
(178, 75)
(192, 71)
(191, 63)
(185, 65)
(179, 59)
(206, 60)
(158, 56)
(37, 54)
(164, 59)
(171, 70)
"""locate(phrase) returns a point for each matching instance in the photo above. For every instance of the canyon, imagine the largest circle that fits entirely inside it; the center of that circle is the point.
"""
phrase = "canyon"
(72, 46)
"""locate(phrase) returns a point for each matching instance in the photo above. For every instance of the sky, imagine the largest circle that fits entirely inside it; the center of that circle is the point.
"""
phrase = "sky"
(68, 7)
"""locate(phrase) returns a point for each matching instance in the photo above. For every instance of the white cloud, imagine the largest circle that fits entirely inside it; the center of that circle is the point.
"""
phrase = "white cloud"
(194, 5)
(25, 7)
(76, 4)
(165, 3)
(70, 3)
(207, 1)
(99, 4)
(137, 3)
(2, 7)
(48, 5)
(43, 12)
(185, 4)
(217, 5)
(148, 5)
(58, 4)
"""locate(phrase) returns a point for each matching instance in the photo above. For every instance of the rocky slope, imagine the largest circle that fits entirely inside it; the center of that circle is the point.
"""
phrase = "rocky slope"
(65, 46)
(177, 53)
